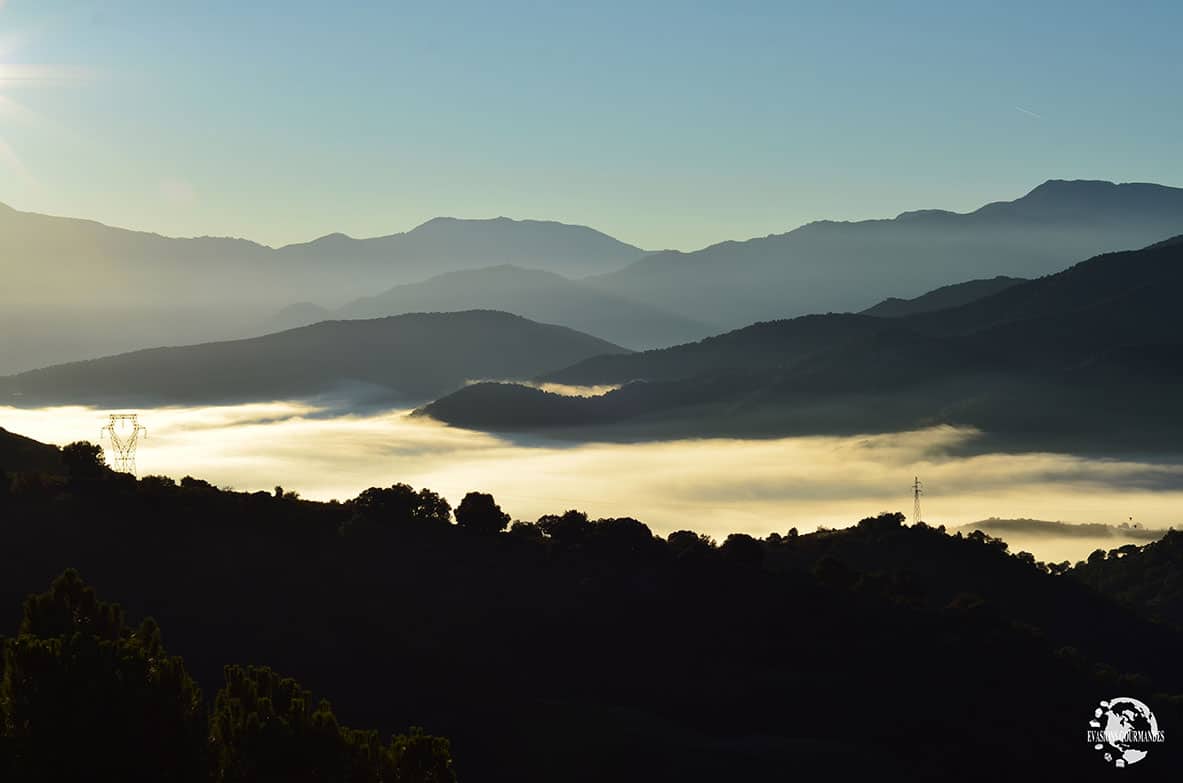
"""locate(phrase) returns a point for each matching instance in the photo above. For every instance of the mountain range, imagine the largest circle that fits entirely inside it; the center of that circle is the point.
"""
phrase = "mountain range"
(1090, 358)
(55, 260)
(134, 289)
(398, 359)
(137, 290)
(831, 266)
(533, 293)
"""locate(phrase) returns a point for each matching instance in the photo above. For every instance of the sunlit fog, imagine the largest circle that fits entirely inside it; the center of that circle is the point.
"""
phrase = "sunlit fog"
(715, 486)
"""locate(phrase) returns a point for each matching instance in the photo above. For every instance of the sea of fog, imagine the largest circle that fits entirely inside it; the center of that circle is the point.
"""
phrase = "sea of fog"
(716, 486)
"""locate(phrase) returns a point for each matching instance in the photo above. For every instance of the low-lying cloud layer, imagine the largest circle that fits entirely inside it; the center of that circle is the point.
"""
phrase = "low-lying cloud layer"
(715, 486)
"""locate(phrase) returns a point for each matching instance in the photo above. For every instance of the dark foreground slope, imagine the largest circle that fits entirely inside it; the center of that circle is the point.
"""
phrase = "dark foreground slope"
(591, 650)
(1089, 358)
(402, 358)
(1148, 578)
(18, 453)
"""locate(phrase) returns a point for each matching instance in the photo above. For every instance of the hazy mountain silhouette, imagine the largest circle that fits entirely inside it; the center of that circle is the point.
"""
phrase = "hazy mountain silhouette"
(448, 244)
(1005, 528)
(135, 289)
(1089, 358)
(844, 266)
(942, 298)
(56, 260)
(533, 293)
(401, 358)
(296, 315)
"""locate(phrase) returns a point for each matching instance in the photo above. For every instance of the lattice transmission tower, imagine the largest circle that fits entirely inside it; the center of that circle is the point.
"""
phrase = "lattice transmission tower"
(123, 432)
(917, 491)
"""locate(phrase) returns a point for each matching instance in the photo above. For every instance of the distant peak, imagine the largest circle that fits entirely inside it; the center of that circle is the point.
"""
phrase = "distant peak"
(918, 214)
(447, 220)
(1073, 186)
(437, 221)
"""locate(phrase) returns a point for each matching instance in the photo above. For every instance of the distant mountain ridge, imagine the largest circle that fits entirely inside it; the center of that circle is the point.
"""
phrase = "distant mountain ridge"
(532, 293)
(830, 266)
(1091, 355)
(399, 359)
(1039, 527)
(124, 263)
(446, 244)
(135, 289)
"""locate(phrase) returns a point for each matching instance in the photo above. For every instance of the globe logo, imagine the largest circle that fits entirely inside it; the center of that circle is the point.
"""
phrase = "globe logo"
(1124, 729)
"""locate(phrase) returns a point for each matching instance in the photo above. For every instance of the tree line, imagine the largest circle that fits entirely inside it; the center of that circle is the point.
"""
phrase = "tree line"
(575, 648)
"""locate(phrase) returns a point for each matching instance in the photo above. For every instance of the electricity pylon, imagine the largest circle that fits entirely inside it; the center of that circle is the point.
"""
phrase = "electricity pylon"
(124, 432)
(917, 491)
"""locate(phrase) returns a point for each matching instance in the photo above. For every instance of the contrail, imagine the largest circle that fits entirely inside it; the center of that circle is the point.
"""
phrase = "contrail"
(1028, 111)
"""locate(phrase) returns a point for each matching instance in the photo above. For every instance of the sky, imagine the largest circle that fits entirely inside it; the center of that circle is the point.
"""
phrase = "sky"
(666, 124)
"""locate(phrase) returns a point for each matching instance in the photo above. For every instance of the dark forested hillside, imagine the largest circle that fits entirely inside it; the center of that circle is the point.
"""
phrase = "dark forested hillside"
(881, 650)
(943, 298)
(401, 358)
(18, 453)
(1148, 578)
(79, 671)
(1031, 366)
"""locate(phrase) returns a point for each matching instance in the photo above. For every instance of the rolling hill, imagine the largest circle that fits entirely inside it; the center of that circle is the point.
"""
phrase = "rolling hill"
(401, 358)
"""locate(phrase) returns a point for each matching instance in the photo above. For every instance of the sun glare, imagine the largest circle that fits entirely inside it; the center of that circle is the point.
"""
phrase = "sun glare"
(15, 77)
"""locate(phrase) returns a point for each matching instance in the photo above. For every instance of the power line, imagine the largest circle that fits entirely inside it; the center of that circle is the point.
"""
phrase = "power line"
(123, 431)
(917, 491)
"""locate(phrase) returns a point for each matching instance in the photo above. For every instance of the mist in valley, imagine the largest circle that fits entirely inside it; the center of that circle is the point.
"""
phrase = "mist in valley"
(714, 486)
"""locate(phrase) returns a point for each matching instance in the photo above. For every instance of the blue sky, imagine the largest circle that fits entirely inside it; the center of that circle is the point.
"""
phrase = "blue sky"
(665, 124)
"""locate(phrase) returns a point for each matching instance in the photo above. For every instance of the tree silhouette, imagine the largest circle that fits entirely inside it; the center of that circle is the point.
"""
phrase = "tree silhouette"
(741, 549)
(686, 544)
(78, 673)
(479, 513)
(83, 460)
(85, 697)
(265, 729)
(568, 529)
(400, 504)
